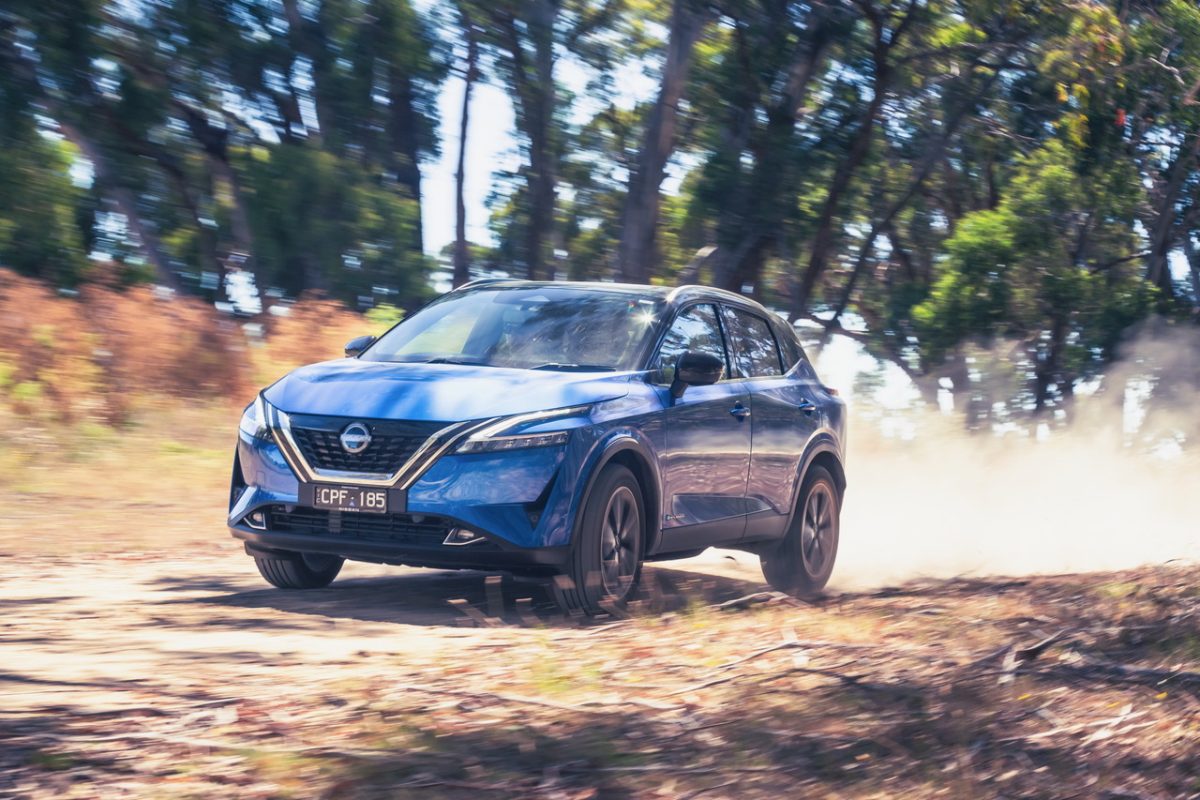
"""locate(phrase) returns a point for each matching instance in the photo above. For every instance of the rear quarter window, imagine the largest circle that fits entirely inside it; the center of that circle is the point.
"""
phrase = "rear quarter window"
(789, 344)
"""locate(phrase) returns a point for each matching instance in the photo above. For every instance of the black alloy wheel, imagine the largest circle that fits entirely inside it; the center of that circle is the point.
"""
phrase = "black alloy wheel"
(606, 555)
(803, 561)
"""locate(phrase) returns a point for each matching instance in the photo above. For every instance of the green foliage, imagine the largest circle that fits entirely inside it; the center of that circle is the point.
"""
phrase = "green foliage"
(38, 232)
(384, 316)
(971, 296)
(945, 172)
(1015, 271)
(322, 221)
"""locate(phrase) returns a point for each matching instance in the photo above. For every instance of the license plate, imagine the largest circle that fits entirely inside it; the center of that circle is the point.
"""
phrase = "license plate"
(350, 498)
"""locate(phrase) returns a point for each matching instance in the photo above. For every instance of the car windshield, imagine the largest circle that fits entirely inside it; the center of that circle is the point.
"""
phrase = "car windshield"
(526, 327)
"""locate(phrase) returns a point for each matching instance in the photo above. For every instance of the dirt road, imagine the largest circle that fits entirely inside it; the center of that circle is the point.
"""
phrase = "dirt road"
(96, 632)
(164, 676)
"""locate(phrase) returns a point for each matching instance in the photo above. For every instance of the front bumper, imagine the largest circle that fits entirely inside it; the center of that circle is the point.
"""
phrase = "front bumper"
(517, 502)
(516, 559)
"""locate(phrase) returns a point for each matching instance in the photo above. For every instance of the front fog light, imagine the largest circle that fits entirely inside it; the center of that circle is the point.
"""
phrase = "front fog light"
(257, 520)
(459, 537)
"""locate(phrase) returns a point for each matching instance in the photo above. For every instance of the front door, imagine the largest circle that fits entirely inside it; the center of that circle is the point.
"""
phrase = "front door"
(706, 459)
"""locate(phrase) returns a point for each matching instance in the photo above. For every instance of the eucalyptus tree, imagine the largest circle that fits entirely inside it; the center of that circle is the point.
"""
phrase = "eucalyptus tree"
(638, 253)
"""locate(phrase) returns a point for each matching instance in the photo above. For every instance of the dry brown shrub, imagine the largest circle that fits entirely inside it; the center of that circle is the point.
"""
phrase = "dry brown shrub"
(314, 330)
(46, 349)
(93, 356)
(90, 356)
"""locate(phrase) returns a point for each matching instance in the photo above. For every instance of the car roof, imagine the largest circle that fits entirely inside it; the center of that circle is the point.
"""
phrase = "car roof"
(673, 295)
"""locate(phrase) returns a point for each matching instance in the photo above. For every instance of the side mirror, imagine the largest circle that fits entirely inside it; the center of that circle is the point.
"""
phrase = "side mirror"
(355, 346)
(696, 369)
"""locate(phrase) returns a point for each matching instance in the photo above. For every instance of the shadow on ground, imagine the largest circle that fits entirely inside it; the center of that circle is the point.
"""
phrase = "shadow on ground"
(441, 598)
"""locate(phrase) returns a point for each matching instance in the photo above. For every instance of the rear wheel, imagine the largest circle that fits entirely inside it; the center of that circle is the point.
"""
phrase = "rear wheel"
(299, 570)
(803, 562)
(606, 558)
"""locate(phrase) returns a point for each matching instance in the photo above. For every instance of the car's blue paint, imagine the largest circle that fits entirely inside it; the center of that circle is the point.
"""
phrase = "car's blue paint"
(349, 387)
(711, 477)
(781, 435)
(470, 489)
(263, 466)
(706, 457)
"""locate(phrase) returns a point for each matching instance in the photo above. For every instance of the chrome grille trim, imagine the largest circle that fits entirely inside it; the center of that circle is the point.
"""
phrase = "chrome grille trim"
(421, 460)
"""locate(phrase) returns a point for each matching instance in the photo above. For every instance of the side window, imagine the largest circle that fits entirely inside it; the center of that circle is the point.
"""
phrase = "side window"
(755, 351)
(695, 329)
(789, 346)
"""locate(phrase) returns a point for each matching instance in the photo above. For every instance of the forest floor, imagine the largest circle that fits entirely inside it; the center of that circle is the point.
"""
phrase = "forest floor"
(142, 656)
(158, 675)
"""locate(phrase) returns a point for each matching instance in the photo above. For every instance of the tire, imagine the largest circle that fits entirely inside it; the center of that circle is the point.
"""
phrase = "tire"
(606, 557)
(299, 570)
(803, 561)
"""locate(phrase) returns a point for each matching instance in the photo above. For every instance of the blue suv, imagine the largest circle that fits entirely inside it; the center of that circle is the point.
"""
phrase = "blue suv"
(565, 429)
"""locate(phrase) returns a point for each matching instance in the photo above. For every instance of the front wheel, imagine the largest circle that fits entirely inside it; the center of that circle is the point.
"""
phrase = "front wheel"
(287, 570)
(803, 562)
(606, 558)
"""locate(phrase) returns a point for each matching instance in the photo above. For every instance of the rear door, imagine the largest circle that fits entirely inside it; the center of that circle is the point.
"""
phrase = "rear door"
(706, 459)
(782, 420)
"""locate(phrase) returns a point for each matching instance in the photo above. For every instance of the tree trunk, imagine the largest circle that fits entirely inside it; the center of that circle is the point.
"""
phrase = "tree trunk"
(824, 236)
(1046, 371)
(148, 240)
(638, 252)
(543, 162)
(746, 233)
(406, 145)
(1193, 259)
(214, 142)
(307, 39)
(536, 95)
(1162, 230)
(462, 255)
(860, 264)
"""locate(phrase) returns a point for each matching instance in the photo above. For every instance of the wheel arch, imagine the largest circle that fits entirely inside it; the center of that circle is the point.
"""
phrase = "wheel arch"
(635, 456)
(822, 451)
(829, 460)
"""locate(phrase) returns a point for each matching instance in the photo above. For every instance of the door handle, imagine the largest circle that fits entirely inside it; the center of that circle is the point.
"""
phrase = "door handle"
(807, 406)
(740, 411)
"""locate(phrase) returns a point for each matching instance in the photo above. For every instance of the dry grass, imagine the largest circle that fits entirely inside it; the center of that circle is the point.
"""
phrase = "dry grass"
(161, 479)
(928, 690)
(921, 691)
(118, 411)
(106, 355)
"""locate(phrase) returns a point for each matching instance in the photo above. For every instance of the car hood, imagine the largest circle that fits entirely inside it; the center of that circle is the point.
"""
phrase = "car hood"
(349, 387)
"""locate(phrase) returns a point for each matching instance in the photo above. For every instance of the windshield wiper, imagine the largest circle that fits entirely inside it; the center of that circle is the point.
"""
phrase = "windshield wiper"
(460, 361)
(576, 367)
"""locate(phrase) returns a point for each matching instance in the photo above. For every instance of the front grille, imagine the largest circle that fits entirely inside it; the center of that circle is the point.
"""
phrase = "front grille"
(394, 528)
(392, 443)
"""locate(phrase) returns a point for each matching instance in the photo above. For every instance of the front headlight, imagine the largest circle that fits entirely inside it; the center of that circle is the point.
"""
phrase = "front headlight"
(506, 434)
(473, 445)
(254, 420)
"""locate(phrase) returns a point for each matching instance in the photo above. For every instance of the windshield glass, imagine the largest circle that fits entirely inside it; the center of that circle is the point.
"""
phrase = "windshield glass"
(526, 328)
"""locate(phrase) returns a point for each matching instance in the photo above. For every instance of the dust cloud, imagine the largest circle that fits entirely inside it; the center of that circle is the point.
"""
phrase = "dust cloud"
(946, 505)
(1117, 488)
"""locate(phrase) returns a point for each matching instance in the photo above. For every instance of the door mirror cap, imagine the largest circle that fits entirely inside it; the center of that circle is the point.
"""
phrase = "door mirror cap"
(696, 369)
(354, 347)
